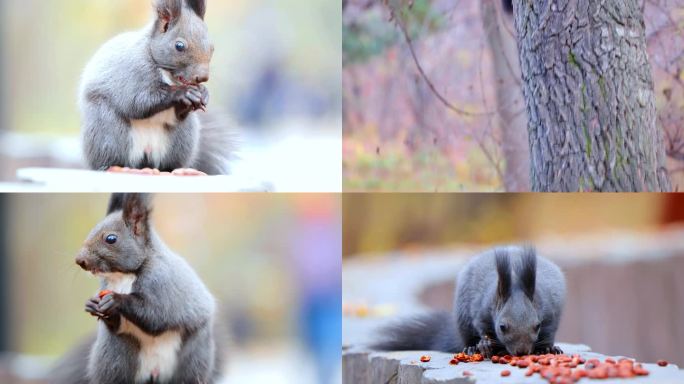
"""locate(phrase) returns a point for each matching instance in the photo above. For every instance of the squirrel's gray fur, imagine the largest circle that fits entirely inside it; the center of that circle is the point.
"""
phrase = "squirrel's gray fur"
(158, 324)
(139, 95)
(508, 301)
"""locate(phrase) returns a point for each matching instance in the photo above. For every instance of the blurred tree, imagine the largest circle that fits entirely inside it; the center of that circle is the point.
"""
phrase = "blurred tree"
(590, 97)
(508, 6)
(510, 118)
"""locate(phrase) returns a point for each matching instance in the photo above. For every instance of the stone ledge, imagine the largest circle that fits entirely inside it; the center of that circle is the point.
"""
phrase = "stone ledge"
(69, 180)
(362, 366)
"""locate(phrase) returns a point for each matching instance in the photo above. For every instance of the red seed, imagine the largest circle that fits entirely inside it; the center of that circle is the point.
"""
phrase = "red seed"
(425, 358)
(662, 363)
(453, 362)
(640, 371)
(505, 373)
(104, 293)
(495, 359)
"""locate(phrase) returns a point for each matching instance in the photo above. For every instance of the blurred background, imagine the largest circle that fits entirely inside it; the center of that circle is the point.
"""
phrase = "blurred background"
(273, 263)
(276, 73)
(622, 254)
(433, 101)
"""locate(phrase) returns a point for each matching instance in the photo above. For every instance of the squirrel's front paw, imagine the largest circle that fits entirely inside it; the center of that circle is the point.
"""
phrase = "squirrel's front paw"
(108, 306)
(205, 94)
(91, 306)
(471, 350)
(191, 98)
(486, 347)
(548, 350)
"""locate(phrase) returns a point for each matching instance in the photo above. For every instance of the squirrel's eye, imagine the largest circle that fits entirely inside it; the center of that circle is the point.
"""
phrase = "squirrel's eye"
(537, 327)
(503, 327)
(111, 239)
(180, 46)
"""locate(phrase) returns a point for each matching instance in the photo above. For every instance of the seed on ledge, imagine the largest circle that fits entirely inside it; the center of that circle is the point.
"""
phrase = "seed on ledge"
(505, 373)
(425, 358)
(662, 363)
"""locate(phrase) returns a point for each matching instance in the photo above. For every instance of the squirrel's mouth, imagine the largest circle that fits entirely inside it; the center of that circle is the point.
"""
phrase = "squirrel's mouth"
(175, 80)
(183, 81)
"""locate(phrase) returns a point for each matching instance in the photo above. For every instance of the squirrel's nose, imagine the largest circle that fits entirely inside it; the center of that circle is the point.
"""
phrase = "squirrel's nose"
(82, 263)
(203, 78)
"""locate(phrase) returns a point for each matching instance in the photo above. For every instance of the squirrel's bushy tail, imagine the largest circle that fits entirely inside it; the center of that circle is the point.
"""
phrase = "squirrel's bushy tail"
(435, 331)
(217, 145)
(73, 367)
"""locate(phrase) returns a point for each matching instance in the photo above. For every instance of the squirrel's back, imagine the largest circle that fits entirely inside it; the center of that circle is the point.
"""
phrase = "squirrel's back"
(480, 276)
(119, 63)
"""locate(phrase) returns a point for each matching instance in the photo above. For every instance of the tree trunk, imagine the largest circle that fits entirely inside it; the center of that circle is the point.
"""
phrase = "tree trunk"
(589, 93)
(511, 117)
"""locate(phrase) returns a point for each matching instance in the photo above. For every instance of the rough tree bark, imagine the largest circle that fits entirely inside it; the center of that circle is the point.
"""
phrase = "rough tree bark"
(588, 87)
(511, 117)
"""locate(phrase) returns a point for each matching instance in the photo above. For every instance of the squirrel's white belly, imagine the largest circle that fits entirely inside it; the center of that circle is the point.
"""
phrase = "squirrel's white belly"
(150, 137)
(158, 355)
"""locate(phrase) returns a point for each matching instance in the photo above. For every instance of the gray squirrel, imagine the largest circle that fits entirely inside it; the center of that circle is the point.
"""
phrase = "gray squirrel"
(156, 317)
(140, 92)
(508, 301)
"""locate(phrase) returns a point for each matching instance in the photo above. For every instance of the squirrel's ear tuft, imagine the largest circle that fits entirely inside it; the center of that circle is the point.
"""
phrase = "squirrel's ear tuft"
(115, 203)
(528, 271)
(167, 12)
(199, 6)
(136, 213)
(503, 269)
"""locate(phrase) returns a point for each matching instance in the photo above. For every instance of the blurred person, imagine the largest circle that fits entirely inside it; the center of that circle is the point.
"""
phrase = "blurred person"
(317, 265)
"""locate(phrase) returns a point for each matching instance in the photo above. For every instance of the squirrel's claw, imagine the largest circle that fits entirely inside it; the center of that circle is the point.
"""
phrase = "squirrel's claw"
(473, 349)
(485, 347)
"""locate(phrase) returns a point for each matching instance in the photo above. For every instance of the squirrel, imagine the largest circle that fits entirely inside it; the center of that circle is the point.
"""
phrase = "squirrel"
(156, 317)
(508, 301)
(140, 92)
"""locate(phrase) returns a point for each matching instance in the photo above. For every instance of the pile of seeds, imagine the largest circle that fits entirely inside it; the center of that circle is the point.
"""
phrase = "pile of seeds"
(563, 369)
(464, 358)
